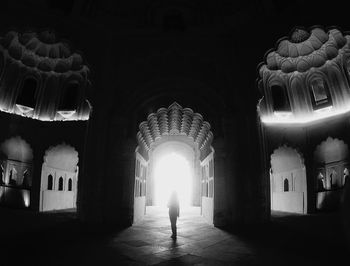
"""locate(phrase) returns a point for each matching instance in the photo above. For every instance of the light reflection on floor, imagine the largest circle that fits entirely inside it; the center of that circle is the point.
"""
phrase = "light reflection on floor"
(149, 240)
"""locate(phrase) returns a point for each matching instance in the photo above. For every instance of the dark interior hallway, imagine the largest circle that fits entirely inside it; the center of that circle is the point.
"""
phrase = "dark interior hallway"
(57, 238)
(247, 102)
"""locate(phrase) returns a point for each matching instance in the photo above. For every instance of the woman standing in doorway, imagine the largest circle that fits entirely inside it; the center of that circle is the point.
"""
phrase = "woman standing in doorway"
(174, 212)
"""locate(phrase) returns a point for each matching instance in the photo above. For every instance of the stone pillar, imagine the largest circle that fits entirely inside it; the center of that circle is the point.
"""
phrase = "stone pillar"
(265, 181)
(310, 177)
(221, 198)
(35, 192)
(119, 175)
(150, 182)
(197, 180)
(90, 193)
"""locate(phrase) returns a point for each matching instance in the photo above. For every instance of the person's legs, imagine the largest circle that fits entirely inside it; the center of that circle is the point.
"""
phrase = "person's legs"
(173, 225)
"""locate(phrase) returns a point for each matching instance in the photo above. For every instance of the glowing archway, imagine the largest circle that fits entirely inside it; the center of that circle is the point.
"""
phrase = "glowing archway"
(176, 167)
(172, 167)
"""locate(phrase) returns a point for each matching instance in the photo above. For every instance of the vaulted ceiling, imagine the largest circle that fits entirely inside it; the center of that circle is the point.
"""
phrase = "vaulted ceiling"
(175, 120)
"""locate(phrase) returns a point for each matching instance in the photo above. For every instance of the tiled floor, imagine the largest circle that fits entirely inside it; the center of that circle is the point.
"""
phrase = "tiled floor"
(59, 239)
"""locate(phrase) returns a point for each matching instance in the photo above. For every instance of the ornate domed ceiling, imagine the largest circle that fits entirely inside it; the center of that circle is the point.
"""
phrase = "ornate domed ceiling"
(306, 77)
(175, 120)
(305, 49)
(42, 51)
(41, 77)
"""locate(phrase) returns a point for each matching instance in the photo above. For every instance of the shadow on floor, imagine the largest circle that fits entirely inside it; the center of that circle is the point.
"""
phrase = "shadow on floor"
(58, 238)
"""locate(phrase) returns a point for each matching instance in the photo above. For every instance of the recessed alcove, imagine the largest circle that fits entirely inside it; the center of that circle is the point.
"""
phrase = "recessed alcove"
(174, 154)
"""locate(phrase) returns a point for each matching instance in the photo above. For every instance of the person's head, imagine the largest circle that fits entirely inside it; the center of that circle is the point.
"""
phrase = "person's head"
(173, 194)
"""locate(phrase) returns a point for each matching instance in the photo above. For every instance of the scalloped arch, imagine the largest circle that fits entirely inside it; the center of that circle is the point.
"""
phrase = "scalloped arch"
(16, 148)
(62, 156)
(331, 150)
(174, 120)
(286, 158)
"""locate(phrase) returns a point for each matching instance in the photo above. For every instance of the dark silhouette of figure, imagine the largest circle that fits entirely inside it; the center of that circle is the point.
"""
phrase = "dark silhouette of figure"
(174, 212)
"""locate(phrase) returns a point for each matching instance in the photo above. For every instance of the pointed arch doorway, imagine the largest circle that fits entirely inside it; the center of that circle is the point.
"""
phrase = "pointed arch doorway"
(174, 153)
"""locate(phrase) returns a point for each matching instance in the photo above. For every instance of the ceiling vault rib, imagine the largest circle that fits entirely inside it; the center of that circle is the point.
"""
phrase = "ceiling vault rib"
(174, 120)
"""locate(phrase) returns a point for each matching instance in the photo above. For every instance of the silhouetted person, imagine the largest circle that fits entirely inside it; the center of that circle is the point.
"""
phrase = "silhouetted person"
(174, 212)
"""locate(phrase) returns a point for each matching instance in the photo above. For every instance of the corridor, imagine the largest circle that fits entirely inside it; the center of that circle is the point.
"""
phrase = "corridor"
(198, 242)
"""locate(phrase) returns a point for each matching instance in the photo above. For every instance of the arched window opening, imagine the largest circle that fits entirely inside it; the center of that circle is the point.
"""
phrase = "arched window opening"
(60, 184)
(25, 182)
(321, 182)
(70, 184)
(288, 174)
(69, 97)
(330, 181)
(173, 20)
(12, 177)
(320, 94)
(27, 94)
(50, 182)
(285, 185)
(280, 99)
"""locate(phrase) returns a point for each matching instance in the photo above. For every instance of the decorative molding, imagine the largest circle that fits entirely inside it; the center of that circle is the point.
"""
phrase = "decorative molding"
(175, 120)
(43, 56)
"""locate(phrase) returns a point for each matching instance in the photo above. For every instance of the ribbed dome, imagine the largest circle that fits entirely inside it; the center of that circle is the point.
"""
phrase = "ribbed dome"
(42, 50)
(174, 120)
(305, 49)
(42, 65)
(299, 35)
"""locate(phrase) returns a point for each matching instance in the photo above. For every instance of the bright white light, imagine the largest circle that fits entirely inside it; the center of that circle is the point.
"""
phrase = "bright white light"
(66, 113)
(172, 172)
(26, 198)
(283, 114)
(24, 109)
(307, 118)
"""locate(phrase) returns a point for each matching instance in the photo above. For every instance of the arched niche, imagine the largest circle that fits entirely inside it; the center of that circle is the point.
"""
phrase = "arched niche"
(59, 177)
(288, 181)
(28, 92)
(331, 150)
(16, 148)
(280, 98)
(69, 99)
(62, 156)
(16, 171)
(44, 78)
(331, 171)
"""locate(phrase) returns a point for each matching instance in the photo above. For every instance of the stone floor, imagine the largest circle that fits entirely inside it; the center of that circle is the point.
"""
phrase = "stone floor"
(58, 238)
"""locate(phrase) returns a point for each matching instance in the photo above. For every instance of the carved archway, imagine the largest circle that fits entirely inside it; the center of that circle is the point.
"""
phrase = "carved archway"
(59, 178)
(288, 180)
(331, 163)
(176, 124)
